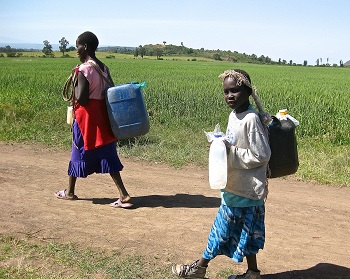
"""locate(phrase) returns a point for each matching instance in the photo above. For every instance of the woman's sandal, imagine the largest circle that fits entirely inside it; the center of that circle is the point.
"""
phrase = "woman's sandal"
(63, 196)
(119, 204)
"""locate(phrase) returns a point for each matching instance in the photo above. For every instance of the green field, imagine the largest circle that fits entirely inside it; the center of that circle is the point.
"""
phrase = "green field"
(185, 99)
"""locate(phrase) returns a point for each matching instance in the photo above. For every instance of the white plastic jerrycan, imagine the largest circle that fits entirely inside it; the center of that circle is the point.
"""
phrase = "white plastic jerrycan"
(217, 163)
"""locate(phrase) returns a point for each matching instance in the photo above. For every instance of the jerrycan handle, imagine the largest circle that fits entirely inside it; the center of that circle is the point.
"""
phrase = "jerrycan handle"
(139, 85)
(275, 122)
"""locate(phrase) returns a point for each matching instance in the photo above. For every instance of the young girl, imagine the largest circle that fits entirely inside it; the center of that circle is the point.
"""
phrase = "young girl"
(93, 145)
(238, 230)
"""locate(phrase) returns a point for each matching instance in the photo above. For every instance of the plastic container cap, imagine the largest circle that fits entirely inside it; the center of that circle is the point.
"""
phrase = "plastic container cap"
(283, 112)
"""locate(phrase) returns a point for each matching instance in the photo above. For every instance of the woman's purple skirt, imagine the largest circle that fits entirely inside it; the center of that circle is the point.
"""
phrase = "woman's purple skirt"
(83, 162)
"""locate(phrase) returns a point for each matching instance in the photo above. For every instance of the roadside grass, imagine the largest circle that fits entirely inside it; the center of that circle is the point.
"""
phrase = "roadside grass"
(28, 259)
(24, 259)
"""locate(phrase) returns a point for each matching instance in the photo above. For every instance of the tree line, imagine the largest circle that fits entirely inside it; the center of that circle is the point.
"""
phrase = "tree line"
(161, 50)
(47, 49)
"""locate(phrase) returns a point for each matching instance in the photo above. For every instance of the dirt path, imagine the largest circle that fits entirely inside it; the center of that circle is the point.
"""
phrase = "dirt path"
(308, 226)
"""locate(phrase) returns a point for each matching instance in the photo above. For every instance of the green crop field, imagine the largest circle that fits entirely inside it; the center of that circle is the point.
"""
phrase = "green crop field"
(185, 99)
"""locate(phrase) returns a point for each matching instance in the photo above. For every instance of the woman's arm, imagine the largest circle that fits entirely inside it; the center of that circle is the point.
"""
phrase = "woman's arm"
(82, 90)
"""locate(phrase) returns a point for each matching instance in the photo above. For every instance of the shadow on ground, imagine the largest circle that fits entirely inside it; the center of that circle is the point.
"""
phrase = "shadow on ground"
(320, 271)
(178, 200)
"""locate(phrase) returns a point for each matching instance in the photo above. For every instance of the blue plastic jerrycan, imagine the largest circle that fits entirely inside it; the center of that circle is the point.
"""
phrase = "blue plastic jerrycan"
(127, 110)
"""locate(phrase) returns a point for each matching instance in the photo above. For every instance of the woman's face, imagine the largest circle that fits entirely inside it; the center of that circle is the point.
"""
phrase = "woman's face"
(81, 51)
(237, 97)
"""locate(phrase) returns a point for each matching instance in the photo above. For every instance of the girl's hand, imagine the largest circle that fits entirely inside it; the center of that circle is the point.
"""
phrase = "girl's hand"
(208, 147)
(228, 146)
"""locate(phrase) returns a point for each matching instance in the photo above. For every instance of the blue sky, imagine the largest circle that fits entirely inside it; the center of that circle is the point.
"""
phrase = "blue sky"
(295, 30)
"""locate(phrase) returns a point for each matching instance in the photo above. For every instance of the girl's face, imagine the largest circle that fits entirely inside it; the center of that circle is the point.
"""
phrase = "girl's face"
(81, 51)
(237, 97)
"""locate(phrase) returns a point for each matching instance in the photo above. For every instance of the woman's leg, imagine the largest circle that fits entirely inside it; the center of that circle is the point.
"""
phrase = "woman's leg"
(123, 193)
(71, 186)
(68, 194)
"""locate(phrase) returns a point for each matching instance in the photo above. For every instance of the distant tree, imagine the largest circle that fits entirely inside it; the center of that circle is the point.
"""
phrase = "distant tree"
(182, 44)
(290, 62)
(279, 61)
(142, 51)
(341, 64)
(159, 52)
(217, 56)
(189, 50)
(261, 59)
(305, 63)
(72, 48)
(47, 49)
(164, 42)
(318, 62)
(136, 52)
(284, 62)
(63, 45)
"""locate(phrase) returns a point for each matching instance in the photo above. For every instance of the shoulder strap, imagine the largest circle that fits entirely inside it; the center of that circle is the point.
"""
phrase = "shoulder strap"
(97, 68)
(263, 115)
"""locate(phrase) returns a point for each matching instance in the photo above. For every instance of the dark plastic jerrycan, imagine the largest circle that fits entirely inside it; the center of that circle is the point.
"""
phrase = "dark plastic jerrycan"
(127, 111)
(284, 154)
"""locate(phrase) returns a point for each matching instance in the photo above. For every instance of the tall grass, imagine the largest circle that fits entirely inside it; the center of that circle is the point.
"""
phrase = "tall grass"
(184, 99)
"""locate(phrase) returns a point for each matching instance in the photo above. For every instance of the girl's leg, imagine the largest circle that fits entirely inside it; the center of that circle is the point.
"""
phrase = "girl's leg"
(252, 263)
(123, 193)
(203, 262)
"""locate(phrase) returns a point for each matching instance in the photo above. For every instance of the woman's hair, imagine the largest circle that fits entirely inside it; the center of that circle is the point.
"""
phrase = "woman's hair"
(242, 77)
(89, 39)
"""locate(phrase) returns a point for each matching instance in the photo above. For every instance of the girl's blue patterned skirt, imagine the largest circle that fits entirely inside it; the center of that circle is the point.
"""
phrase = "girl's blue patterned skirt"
(237, 232)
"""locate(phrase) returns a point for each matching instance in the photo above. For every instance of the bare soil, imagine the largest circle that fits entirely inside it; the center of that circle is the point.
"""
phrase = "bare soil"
(307, 225)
